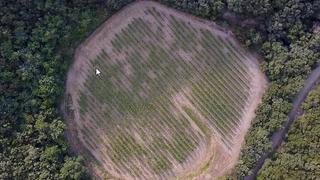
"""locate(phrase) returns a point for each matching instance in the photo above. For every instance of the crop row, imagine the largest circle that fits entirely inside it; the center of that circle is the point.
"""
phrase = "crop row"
(117, 105)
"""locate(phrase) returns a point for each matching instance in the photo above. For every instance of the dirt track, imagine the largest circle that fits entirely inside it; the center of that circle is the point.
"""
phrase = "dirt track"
(279, 136)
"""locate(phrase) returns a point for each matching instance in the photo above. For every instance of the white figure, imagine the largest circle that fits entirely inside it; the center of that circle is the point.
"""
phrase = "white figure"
(97, 72)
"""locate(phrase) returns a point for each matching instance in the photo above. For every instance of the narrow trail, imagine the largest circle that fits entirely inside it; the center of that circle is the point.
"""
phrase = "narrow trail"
(279, 136)
(236, 19)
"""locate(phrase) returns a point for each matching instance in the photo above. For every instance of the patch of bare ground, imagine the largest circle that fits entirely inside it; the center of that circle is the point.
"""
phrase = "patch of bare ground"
(204, 153)
(75, 140)
(225, 159)
(218, 160)
(211, 159)
(258, 86)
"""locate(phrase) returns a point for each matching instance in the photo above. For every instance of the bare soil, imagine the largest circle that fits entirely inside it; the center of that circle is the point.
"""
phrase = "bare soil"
(215, 159)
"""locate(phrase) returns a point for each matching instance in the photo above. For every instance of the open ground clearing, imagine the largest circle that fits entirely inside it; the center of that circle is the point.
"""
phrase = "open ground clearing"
(174, 99)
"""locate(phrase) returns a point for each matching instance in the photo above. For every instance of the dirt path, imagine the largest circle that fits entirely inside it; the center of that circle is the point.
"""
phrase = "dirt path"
(236, 19)
(279, 136)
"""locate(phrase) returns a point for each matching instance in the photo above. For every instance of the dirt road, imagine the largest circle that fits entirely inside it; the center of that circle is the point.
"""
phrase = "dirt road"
(279, 136)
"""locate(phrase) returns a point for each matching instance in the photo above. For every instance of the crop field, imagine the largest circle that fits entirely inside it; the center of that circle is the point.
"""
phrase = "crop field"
(174, 99)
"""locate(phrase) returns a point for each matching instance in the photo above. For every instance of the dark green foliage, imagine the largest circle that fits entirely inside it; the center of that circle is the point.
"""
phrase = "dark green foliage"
(283, 33)
(287, 68)
(73, 169)
(37, 39)
(211, 9)
(36, 46)
(299, 156)
(290, 55)
(254, 7)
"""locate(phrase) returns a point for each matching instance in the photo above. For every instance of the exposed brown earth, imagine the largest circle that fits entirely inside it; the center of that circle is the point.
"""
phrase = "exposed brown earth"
(212, 159)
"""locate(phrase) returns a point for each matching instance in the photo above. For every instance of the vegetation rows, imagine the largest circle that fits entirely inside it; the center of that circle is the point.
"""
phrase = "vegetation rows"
(37, 39)
(286, 34)
(135, 114)
(37, 45)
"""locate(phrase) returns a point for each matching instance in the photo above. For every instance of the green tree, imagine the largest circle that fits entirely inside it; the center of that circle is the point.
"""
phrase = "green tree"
(73, 169)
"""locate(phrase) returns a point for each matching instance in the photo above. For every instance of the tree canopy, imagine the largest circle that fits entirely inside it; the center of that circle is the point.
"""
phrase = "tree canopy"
(37, 40)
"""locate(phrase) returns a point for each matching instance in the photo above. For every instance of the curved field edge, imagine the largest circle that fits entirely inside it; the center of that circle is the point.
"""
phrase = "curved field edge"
(259, 83)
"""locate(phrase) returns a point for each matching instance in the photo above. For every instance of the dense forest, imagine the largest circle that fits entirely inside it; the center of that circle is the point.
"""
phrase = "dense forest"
(37, 41)
(299, 156)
